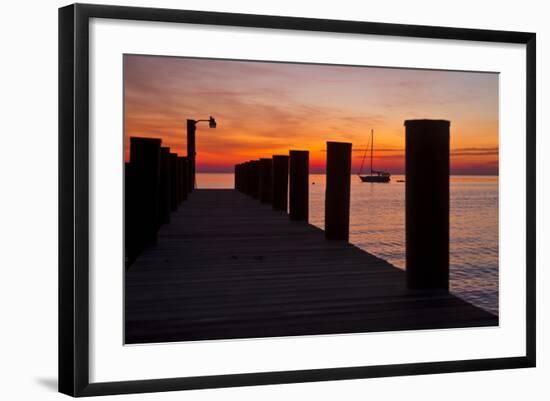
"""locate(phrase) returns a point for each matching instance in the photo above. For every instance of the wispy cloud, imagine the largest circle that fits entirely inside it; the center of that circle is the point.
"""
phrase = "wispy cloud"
(267, 108)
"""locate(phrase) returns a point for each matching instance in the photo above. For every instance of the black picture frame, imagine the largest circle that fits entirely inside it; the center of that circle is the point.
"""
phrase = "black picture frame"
(74, 198)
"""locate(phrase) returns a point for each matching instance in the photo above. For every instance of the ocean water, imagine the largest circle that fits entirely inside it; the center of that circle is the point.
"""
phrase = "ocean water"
(377, 225)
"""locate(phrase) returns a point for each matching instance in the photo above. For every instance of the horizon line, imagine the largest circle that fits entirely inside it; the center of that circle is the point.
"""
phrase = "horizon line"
(317, 173)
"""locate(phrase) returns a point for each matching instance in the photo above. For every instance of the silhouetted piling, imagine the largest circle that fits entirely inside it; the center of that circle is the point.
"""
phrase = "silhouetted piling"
(241, 181)
(254, 169)
(179, 191)
(243, 177)
(265, 180)
(145, 159)
(165, 191)
(179, 166)
(246, 178)
(237, 177)
(280, 182)
(427, 203)
(174, 181)
(183, 188)
(191, 153)
(298, 198)
(131, 216)
(337, 195)
(185, 177)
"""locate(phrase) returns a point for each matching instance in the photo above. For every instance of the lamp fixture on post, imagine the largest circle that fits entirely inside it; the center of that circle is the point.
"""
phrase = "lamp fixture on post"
(191, 152)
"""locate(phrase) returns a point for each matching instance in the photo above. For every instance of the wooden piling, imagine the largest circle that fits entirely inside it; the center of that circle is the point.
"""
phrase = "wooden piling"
(174, 182)
(427, 203)
(183, 188)
(131, 216)
(185, 177)
(254, 174)
(191, 153)
(165, 187)
(337, 195)
(280, 182)
(247, 178)
(241, 177)
(178, 180)
(265, 180)
(145, 159)
(299, 185)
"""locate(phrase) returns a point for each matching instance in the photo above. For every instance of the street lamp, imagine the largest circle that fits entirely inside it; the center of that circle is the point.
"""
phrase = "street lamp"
(211, 122)
(191, 153)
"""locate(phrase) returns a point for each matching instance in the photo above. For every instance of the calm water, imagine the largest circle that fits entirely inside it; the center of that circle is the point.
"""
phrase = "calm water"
(377, 225)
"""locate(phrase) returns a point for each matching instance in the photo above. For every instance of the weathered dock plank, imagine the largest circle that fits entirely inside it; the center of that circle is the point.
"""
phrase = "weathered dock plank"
(229, 267)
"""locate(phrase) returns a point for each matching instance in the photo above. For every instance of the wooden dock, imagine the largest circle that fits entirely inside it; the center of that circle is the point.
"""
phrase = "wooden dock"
(227, 266)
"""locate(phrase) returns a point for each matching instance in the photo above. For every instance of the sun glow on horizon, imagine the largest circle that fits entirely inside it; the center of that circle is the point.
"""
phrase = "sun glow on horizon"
(264, 109)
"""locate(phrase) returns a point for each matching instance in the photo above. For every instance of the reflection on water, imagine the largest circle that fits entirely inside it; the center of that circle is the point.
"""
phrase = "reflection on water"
(377, 225)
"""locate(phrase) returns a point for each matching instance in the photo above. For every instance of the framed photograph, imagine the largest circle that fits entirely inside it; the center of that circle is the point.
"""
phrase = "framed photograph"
(251, 199)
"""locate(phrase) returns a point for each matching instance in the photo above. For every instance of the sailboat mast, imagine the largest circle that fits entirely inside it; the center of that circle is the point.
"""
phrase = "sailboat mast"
(371, 146)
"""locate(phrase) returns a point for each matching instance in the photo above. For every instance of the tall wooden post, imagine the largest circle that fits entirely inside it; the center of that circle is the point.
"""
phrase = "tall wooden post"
(191, 152)
(131, 216)
(185, 177)
(265, 180)
(246, 178)
(145, 159)
(182, 188)
(178, 180)
(427, 203)
(241, 177)
(337, 195)
(254, 174)
(165, 190)
(246, 171)
(280, 182)
(298, 195)
(174, 181)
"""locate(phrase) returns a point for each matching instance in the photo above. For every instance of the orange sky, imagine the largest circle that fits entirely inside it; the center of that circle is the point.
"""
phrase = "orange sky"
(268, 108)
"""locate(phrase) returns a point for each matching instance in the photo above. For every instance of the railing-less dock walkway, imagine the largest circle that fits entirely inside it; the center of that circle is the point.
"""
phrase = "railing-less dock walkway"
(227, 266)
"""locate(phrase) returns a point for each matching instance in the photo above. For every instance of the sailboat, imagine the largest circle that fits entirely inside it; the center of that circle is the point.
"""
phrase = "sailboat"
(374, 176)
